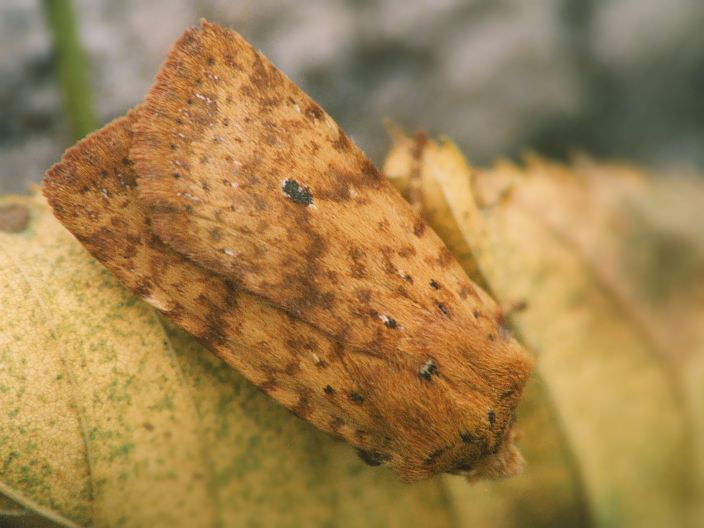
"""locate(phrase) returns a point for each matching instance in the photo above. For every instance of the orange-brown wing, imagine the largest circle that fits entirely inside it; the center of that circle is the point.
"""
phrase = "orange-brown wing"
(384, 410)
(93, 193)
(287, 254)
(247, 176)
(390, 413)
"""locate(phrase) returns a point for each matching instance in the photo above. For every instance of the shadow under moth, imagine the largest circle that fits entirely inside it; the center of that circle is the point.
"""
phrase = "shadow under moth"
(235, 206)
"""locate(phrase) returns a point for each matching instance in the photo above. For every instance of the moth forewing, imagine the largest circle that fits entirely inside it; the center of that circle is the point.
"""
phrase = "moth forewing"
(237, 207)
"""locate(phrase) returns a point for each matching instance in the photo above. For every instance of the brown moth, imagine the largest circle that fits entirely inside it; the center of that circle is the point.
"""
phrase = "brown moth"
(233, 204)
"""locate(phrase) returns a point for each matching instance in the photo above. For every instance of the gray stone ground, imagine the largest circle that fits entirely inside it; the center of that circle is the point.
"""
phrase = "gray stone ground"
(616, 78)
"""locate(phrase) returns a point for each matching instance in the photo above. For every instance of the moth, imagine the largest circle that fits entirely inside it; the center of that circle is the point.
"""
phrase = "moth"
(235, 206)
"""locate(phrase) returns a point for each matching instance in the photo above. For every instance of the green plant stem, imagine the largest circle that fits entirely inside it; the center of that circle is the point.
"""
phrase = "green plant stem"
(71, 67)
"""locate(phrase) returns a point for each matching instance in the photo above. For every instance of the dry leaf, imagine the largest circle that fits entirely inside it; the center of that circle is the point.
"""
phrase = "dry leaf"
(110, 418)
(549, 235)
(611, 425)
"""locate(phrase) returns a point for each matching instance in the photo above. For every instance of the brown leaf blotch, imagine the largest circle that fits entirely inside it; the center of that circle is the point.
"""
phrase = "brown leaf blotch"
(14, 218)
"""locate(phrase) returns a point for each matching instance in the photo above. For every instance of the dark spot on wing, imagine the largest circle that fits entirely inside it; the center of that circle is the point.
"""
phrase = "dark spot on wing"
(321, 364)
(297, 193)
(336, 423)
(269, 385)
(467, 437)
(462, 467)
(292, 368)
(432, 457)
(444, 257)
(342, 142)
(356, 397)
(466, 291)
(337, 191)
(407, 252)
(359, 270)
(314, 112)
(144, 288)
(302, 407)
(428, 370)
(363, 296)
(361, 435)
(504, 329)
(419, 228)
(373, 458)
(508, 393)
(389, 322)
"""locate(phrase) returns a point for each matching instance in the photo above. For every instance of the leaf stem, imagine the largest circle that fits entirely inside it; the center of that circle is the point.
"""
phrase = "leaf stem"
(71, 67)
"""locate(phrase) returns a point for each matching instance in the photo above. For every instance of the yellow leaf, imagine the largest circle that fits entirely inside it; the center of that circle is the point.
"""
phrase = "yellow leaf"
(533, 232)
(412, 166)
(549, 492)
(112, 418)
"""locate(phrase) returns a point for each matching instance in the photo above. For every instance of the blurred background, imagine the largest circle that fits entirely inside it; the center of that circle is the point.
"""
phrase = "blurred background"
(616, 79)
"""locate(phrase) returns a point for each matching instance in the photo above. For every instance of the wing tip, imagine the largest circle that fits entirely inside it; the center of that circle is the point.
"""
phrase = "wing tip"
(505, 463)
(179, 105)
(80, 164)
